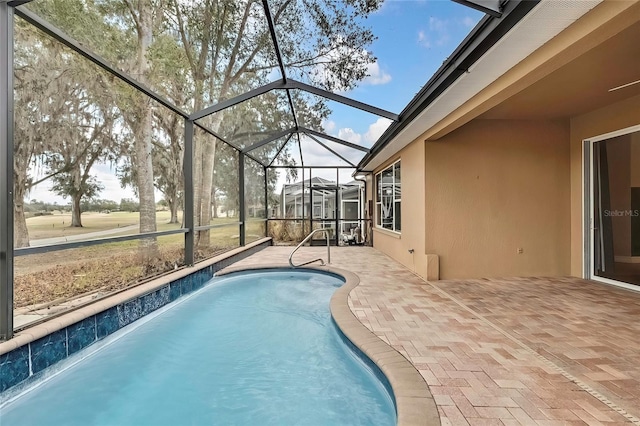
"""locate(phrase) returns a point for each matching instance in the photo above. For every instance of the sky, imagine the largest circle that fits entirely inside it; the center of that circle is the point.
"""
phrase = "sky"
(414, 38)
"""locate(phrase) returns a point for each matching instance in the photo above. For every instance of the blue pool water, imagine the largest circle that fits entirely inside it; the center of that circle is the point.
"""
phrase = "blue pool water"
(251, 349)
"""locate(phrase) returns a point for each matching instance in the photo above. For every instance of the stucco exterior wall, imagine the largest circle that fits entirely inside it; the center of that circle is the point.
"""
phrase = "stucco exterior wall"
(496, 186)
(413, 200)
(504, 171)
(604, 120)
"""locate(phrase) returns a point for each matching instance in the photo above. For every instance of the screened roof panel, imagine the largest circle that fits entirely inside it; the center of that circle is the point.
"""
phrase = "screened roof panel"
(315, 40)
(338, 120)
(310, 109)
(247, 57)
(238, 55)
(330, 43)
(350, 154)
(266, 153)
(315, 155)
(354, 125)
(252, 121)
(101, 31)
(290, 154)
(204, 53)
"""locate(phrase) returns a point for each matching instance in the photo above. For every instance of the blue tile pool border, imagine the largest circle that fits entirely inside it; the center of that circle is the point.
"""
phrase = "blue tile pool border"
(23, 362)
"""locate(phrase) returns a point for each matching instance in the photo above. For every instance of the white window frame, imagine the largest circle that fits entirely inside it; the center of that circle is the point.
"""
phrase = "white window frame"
(378, 201)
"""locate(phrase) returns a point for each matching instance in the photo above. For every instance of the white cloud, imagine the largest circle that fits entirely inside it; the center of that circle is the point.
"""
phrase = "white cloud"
(376, 76)
(437, 24)
(329, 126)
(376, 130)
(349, 135)
(367, 139)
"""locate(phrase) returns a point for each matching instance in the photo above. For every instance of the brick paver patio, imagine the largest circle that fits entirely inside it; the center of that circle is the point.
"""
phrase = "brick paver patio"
(522, 351)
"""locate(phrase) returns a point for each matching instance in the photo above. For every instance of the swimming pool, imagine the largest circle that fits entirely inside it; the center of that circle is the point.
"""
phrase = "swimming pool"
(251, 348)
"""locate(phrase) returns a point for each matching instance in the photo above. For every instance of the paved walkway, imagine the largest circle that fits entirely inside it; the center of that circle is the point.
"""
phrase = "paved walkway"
(535, 351)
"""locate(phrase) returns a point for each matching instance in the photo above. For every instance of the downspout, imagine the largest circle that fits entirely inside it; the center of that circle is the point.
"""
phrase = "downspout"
(368, 236)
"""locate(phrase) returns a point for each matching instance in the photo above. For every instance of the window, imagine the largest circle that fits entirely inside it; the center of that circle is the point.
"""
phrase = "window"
(388, 198)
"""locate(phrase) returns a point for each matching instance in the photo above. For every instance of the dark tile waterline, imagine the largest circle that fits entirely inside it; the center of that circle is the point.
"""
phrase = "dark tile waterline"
(27, 361)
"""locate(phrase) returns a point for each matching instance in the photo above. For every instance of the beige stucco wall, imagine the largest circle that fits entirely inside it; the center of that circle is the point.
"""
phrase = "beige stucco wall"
(604, 120)
(494, 186)
(413, 199)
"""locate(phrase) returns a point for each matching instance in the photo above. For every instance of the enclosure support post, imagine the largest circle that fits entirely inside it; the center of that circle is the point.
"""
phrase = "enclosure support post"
(187, 164)
(266, 203)
(338, 208)
(303, 209)
(311, 200)
(6, 171)
(241, 205)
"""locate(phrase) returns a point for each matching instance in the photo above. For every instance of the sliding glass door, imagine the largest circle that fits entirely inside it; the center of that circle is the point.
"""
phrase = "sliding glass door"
(615, 207)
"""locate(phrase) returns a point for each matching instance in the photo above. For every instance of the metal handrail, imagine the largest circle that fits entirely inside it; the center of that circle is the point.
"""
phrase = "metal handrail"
(326, 233)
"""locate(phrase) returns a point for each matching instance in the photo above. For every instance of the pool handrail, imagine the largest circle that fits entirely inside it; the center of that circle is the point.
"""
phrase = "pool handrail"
(307, 238)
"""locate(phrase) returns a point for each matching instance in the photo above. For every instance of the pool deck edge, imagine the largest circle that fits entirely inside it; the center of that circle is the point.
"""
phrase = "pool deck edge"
(414, 402)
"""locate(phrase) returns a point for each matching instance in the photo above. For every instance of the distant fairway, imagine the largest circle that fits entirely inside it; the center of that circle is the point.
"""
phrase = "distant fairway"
(58, 225)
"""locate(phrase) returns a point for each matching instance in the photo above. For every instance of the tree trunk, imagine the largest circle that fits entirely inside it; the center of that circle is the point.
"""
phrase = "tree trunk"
(144, 168)
(76, 196)
(76, 220)
(173, 207)
(208, 161)
(198, 139)
(146, 193)
(20, 231)
(142, 143)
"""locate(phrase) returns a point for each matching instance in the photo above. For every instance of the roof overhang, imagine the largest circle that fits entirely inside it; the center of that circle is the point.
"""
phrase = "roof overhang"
(475, 65)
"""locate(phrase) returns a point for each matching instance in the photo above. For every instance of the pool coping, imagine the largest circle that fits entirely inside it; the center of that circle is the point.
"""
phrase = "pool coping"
(414, 403)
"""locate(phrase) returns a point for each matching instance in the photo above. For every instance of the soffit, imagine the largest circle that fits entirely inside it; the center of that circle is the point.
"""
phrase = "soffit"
(544, 22)
(582, 85)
